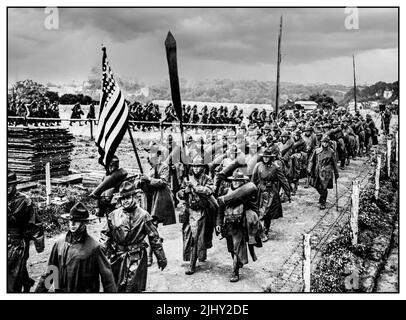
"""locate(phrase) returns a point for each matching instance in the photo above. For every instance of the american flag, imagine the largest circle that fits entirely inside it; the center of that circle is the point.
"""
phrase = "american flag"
(113, 115)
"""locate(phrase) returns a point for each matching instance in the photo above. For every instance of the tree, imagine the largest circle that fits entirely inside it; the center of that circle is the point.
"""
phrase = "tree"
(52, 96)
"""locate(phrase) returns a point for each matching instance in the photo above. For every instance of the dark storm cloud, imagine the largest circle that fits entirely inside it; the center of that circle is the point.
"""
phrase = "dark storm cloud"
(234, 35)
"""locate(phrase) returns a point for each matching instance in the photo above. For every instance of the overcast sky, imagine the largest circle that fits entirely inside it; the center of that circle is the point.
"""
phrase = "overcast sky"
(212, 43)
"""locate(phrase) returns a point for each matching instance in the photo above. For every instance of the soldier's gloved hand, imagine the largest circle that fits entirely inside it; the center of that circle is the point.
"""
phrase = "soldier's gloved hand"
(218, 230)
(162, 264)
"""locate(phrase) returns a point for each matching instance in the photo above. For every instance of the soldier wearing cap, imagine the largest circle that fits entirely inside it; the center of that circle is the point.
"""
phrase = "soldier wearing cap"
(322, 169)
(77, 262)
(22, 227)
(199, 216)
(269, 177)
(124, 238)
(238, 221)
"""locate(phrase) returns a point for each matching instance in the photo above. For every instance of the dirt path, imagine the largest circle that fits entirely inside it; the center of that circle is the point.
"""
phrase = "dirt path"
(299, 217)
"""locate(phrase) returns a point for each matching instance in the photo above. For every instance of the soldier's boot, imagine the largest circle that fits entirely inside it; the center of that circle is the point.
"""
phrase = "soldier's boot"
(150, 258)
(191, 269)
(294, 189)
(347, 163)
(342, 164)
(322, 206)
(235, 276)
(307, 184)
(264, 235)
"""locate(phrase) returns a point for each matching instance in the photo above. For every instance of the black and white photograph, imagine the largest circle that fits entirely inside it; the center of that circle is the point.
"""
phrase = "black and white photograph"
(210, 150)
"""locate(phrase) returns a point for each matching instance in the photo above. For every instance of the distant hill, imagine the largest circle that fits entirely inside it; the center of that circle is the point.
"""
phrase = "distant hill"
(245, 91)
(374, 92)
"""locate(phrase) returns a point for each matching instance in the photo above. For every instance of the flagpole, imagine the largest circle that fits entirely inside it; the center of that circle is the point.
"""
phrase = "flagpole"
(278, 70)
(135, 149)
(355, 86)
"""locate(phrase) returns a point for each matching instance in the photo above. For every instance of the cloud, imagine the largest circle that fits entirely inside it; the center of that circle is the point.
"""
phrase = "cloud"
(240, 37)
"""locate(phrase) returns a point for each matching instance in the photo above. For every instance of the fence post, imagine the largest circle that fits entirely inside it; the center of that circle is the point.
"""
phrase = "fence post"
(306, 262)
(397, 146)
(377, 173)
(389, 142)
(48, 182)
(354, 212)
(91, 129)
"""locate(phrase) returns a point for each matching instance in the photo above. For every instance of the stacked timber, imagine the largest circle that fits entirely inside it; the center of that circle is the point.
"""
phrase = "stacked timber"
(30, 148)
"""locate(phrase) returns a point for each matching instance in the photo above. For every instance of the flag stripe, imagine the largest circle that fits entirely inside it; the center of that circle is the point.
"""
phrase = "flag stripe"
(107, 111)
(117, 121)
(113, 119)
(113, 116)
(113, 140)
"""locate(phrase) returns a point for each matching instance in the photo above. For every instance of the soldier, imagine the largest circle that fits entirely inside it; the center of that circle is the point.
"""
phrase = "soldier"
(310, 140)
(213, 116)
(160, 204)
(124, 238)
(336, 134)
(22, 227)
(233, 115)
(322, 166)
(77, 113)
(92, 112)
(105, 191)
(298, 159)
(253, 117)
(80, 261)
(238, 221)
(358, 128)
(349, 140)
(240, 117)
(269, 177)
(370, 132)
(204, 115)
(199, 216)
(386, 117)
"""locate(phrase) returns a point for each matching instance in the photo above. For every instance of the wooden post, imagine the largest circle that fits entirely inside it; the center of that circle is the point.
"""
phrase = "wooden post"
(48, 182)
(306, 262)
(397, 146)
(389, 141)
(91, 130)
(377, 174)
(354, 212)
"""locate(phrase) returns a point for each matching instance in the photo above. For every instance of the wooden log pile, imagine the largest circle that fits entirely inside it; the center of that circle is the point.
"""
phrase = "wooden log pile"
(29, 149)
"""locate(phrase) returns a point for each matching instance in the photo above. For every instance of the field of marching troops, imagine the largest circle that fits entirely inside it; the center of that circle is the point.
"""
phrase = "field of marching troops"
(229, 182)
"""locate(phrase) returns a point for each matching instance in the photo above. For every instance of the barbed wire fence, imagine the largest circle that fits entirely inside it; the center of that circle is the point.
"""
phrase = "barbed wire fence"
(292, 278)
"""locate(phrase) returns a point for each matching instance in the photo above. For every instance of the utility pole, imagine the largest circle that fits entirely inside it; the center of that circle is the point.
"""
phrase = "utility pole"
(355, 86)
(278, 70)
